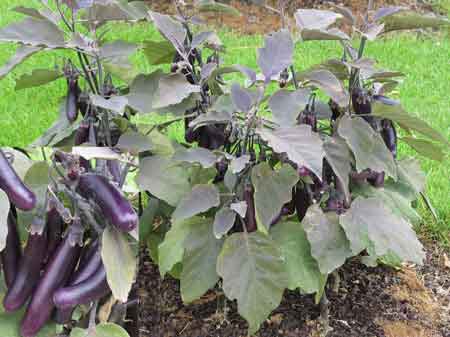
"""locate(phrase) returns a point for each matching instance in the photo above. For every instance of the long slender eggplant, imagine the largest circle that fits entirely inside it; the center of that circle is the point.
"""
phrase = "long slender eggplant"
(389, 136)
(29, 272)
(12, 253)
(94, 288)
(54, 226)
(56, 273)
(302, 202)
(19, 195)
(250, 216)
(86, 270)
(73, 92)
(116, 208)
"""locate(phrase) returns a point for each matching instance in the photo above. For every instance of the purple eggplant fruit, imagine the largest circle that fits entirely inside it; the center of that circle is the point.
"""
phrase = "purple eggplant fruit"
(29, 272)
(115, 207)
(56, 274)
(389, 135)
(250, 216)
(376, 179)
(94, 288)
(12, 253)
(19, 195)
(302, 202)
(55, 224)
(82, 134)
(73, 92)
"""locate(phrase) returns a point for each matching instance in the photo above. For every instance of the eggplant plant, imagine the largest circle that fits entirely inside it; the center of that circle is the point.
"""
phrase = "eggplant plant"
(288, 175)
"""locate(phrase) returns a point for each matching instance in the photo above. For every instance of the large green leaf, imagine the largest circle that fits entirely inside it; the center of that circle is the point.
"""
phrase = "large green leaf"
(407, 121)
(199, 261)
(37, 78)
(254, 274)
(286, 105)
(410, 173)
(367, 145)
(302, 146)
(340, 159)
(120, 262)
(329, 246)
(22, 53)
(407, 20)
(159, 52)
(199, 200)
(200, 155)
(4, 211)
(371, 225)
(171, 29)
(171, 250)
(425, 147)
(10, 326)
(303, 270)
(101, 330)
(273, 189)
(223, 221)
(160, 177)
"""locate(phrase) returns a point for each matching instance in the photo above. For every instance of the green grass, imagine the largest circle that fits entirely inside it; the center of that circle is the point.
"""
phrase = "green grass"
(26, 114)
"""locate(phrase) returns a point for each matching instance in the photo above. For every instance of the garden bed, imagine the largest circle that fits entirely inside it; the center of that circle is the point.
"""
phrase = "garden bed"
(371, 302)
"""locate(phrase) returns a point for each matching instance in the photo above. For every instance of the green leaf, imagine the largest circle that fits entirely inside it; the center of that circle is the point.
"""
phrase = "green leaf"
(159, 52)
(410, 173)
(22, 53)
(147, 218)
(273, 189)
(134, 142)
(407, 20)
(407, 121)
(302, 268)
(315, 18)
(4, 211)
(173, 89)
(199, 200)
(37, 78)
(286, 105)
(329, 246)
(254, 274)
(171, 250)
(101, 330)
(371, 225)
(199, 261)
(160, 177)
(223, 221)
(120, 262)
(367, 145)
(425, 148)
(171, 29)
(37, 179)
(302, 146)
(144, 91)
(10, 326)
(115, 104)
(203, 156)
(339, 157)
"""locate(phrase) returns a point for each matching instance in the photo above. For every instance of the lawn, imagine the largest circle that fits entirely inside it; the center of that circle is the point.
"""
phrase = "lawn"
(425, 91)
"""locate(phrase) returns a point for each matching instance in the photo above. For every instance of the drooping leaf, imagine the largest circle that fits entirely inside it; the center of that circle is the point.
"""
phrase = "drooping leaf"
(119, 261)
(34, 32)
(101, 330)
(328, 82)
(425, 148)
(371, 225)
(41, 14)
(329, 245)
(407, 121)
(286, 105)
(339, 157)
(203, 156)
(134, 142)
(301, 145)
(223, 221)
(23, 52)
(315, 19)
(253, 273)
(4, 211)
(273, 189)
(277, 53)
(199, 261)
(159, 52)
(171, 250)
(302, 269)
(160, 177)
(172, 30)
(199, 200)
(95, 152)
(367, 145)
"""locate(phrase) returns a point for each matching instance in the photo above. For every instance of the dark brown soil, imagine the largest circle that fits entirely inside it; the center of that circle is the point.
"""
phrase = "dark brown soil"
(371, 302)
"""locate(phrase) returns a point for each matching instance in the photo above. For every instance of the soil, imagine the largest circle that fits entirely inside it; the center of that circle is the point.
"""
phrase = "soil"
(370, 302)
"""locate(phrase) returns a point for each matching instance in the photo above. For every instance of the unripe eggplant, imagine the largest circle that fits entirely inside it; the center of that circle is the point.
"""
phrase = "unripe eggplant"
(115, 207)
(12, 253)
(73, 92)
(302, 202)
(29, 272)
(389, 136)
(85, 292)
(54, 227)
(56, 273)
(250, 216)
(19, 195)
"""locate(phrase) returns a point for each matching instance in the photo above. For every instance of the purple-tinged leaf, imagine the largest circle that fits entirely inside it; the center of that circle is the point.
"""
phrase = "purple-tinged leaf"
(34, 32)
(117, 51)
(173, 89)
(242, 98)
(41, 14)
(172, 30)
(207, 70)
(315, 19)
(373, 30)
(22, 53)
(286, 105)
(302, 146)
(277, 53)
(240, 208)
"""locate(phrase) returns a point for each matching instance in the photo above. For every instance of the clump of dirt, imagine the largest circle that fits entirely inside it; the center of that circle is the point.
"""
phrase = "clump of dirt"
(370, 302)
